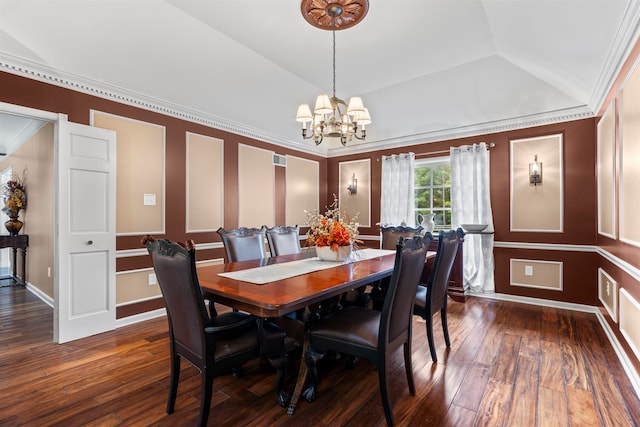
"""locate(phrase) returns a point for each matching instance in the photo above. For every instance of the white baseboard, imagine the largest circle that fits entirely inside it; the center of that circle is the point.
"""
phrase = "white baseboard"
(37, 292)
(632, 374)
(141, 317)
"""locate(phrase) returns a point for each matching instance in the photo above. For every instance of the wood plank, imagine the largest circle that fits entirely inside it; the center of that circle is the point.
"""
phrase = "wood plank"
(524, 404)
(490, 376)
(552, 408)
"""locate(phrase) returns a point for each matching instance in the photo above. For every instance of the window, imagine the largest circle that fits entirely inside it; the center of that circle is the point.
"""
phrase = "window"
(433, 190)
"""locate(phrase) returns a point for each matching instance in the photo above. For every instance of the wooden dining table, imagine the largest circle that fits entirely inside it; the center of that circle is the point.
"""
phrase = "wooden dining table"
(281, 297)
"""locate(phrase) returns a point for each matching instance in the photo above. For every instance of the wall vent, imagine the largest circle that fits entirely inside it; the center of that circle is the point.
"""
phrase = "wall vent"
(280, 160)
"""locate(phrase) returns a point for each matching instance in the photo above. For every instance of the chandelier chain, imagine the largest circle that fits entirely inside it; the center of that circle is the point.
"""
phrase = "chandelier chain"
(334, 64)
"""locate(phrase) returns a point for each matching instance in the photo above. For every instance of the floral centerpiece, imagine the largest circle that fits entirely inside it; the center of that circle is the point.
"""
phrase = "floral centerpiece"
(332, 235)
(14, 196)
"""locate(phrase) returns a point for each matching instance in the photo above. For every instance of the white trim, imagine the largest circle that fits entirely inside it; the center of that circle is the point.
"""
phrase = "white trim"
(512, 143)
(609, 111)
(546, 246)
(368, 237)
(186, 181)
(38, 292)
(29, 112)
(140, 317)
(273, 195)
(32, 70)
(316, 165)
(634, 68)
(22, 67)
(631, 270)
(623, 331)
(340, 186)
(137, 301)
(498, 126)
(136, 270)
(126, 253)
(535, 261)
(211, 260)
(613, 311)
(92, 113)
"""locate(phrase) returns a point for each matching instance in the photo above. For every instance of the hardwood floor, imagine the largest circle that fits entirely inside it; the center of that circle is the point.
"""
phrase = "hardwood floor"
(509, 364)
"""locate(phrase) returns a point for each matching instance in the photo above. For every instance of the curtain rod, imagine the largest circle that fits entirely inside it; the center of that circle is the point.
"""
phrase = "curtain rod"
(490, 145)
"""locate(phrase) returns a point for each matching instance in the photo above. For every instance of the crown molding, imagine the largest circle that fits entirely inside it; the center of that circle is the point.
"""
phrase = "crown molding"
(626, 37)
(514, 123)
(25, 68)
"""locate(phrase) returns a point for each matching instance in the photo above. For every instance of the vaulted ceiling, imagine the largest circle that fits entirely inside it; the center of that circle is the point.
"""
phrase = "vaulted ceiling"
(427, 69)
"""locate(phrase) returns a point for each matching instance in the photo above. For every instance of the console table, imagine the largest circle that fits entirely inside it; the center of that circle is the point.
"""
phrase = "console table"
(21, 241)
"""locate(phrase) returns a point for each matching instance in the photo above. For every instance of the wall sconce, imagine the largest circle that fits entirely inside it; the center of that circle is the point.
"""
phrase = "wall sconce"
(353, 185)
(535, 172)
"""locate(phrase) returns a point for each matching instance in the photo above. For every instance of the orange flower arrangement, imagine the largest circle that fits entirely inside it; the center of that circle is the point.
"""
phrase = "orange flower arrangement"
(328, 229)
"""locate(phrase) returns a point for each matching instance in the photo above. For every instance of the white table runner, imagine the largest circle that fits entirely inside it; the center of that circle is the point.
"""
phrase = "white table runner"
(285, 270)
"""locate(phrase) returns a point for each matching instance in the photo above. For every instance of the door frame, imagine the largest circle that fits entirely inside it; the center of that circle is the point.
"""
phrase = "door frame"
(55, 118)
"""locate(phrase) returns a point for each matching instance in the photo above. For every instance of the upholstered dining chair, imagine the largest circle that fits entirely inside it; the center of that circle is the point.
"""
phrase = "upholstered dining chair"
(432, 296)
(283, 240)
(212, 344)
(388, 240)
(375, 335)
(242, 244)
(390, 234)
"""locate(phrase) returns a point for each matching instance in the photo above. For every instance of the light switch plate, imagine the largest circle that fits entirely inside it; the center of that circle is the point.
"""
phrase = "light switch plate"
(528, 270)
(152, 279)
(149, 199)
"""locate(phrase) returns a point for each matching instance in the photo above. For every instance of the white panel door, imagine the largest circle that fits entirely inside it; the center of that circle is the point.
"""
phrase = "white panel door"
(85, 300)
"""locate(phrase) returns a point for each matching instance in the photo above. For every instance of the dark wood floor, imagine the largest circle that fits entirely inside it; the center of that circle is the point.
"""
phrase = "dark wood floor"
(509, 364)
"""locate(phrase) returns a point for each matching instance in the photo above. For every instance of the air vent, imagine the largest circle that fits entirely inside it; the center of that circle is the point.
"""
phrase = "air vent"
(279, 160)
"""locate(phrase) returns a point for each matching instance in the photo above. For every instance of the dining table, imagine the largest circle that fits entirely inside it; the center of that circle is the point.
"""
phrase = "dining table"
(276, 286)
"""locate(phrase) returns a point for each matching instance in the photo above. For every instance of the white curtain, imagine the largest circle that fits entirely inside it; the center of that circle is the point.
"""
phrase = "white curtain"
(471, 204)
(397, 198)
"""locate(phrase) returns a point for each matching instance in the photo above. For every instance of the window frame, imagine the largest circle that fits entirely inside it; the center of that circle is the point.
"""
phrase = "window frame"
(431, 162)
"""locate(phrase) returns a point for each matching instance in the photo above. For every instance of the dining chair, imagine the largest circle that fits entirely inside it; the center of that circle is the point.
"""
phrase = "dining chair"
(283, 240)
(243, 244)
(375, 335)
(212, 344)
(389, 235)
(432, 296)
(388, 240)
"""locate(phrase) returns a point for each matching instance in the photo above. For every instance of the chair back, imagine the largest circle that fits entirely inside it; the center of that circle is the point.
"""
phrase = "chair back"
(439, 278)
(410, 259)
(242, 244)
(283, 240)
(175, 270)
(390, 235)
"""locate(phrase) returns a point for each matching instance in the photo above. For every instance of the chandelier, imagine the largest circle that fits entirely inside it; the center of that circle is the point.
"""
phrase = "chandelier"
(332, 117)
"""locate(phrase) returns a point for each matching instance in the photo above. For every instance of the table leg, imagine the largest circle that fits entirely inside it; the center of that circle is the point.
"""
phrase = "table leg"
(302, 379)
(15, 265)
(24, 266)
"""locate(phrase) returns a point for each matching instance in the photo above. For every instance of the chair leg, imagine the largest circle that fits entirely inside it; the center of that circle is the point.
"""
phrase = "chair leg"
(205, 396)
(408, 367)
(382, 379)
(173, 386)
(432, 346)
(445, 327)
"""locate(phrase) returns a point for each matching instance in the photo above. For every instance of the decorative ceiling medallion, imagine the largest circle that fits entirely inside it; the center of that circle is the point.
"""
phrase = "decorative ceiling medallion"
(333, 15)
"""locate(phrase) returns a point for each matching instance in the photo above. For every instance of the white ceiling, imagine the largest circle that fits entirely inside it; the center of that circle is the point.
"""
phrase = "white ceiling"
(427, 69)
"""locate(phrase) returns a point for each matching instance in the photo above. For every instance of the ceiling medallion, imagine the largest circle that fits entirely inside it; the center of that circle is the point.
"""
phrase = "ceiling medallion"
(333, 15)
